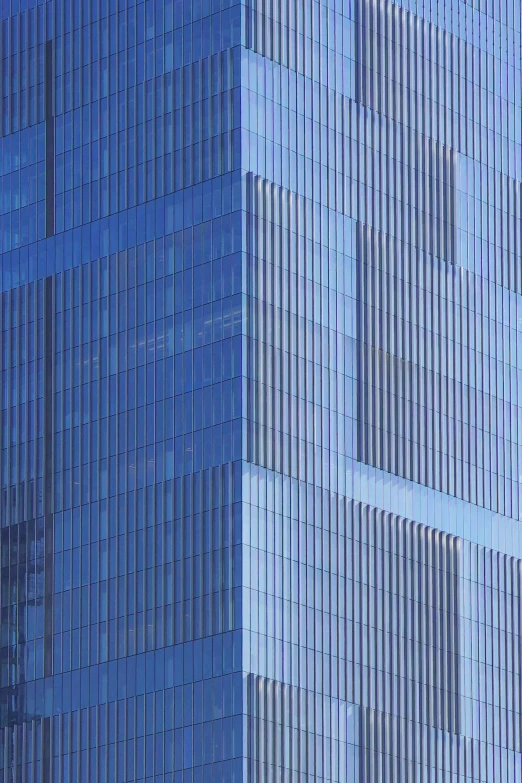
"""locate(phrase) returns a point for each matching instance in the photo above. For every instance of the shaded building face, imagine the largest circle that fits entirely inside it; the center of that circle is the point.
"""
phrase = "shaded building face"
(259, 445)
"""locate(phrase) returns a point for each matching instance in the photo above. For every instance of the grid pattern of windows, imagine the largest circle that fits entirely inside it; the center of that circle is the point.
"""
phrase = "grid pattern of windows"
(413, 630)
(155, 733)
(302, 327)
(382, 145)
(122, 318)
(438, 374)
(261, 391)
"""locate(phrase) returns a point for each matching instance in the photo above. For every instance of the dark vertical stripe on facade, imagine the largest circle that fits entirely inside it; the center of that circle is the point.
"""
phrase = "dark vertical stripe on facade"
(49, 139)
(46, 750)
(252, 418)
(48, 390)
(455, 696)
(48, 467)
(249, 727)
(361, 401)
(3, 117)
(249, 25)
(452, 205)
(359, 51)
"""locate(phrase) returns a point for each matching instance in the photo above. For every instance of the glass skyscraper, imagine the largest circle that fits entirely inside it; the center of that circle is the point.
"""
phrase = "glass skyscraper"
(261, 391)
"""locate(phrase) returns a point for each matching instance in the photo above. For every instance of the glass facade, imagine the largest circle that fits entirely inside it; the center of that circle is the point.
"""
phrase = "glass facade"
(260, 459)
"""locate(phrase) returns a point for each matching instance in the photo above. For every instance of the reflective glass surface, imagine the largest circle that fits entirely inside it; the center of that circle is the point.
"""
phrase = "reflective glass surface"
(260, 459)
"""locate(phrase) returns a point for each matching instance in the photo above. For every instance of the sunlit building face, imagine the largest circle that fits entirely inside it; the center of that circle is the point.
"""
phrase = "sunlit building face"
(260, 297)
